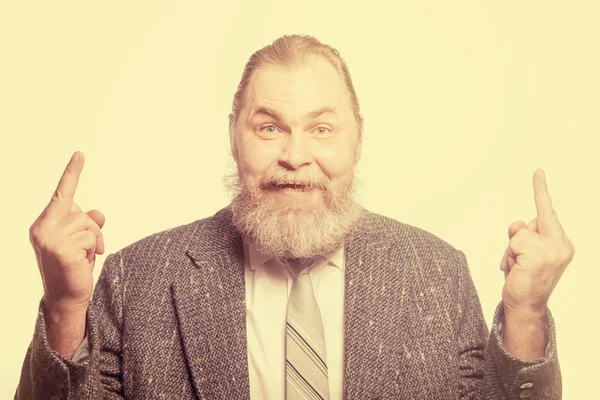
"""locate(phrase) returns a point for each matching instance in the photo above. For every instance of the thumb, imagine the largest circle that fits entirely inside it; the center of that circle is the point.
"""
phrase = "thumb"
(74, 208)
(97, 216)
(515, 227)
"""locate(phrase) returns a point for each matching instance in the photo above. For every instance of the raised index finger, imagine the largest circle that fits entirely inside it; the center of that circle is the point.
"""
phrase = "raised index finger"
(62, 199)
(547, 220)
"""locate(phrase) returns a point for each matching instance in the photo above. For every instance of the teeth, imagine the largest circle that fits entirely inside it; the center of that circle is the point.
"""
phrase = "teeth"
(294, 186)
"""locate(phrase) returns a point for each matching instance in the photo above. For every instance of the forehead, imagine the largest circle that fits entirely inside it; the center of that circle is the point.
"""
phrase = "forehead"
(314, 83)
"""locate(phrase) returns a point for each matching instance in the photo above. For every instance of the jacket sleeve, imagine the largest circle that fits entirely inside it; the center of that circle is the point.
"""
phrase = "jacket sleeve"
(47, 375)
(487, 369)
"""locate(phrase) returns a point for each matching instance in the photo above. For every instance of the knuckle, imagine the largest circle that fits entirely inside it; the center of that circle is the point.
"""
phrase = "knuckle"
(552, 256)
(520, 235)
(79, 214)
(90, 236)
(34, 232)
(82, 216)
(43, 242)
(79, 218)
(570, 247)
(568, 252)
(68, 170)
(57, 195)
(93, 225)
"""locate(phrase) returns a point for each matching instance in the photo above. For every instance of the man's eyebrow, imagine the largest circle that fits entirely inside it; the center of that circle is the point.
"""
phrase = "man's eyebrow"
(321, 111)
(273, 114)
(266, 111)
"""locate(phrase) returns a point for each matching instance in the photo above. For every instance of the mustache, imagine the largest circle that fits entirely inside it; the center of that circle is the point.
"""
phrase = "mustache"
(310, 179)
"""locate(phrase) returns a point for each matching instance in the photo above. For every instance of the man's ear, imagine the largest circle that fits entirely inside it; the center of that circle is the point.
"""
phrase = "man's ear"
(232, 144)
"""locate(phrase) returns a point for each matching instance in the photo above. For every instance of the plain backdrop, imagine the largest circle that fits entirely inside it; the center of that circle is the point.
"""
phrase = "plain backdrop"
(462, 101)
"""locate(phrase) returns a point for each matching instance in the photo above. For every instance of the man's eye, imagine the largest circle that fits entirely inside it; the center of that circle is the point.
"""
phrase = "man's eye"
(269, 129)
(321, 130)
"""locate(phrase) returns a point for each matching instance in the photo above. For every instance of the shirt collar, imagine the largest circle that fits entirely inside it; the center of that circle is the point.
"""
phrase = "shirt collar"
(255, 258)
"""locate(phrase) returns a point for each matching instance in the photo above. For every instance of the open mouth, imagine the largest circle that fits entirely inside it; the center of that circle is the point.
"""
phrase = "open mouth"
(292, 186)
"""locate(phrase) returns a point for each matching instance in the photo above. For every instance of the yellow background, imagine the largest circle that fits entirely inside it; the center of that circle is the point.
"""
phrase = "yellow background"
(462, 101)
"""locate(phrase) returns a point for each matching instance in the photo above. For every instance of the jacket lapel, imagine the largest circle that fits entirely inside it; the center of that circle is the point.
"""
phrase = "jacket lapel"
(369, 283)
(209, 298)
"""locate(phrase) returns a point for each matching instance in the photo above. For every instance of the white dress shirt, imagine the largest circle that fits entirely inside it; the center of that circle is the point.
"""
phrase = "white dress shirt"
(268, 285)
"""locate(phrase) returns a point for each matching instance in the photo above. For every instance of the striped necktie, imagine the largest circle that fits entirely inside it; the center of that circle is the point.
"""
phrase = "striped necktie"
(305, 364)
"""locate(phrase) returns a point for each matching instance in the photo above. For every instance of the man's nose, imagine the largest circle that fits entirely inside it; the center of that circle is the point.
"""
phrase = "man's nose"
(296, 151)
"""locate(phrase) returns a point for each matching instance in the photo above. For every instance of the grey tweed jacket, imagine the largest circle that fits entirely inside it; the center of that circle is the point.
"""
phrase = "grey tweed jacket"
(167, 321)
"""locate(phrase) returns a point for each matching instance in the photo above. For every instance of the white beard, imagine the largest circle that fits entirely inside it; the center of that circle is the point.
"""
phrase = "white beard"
(293, 228)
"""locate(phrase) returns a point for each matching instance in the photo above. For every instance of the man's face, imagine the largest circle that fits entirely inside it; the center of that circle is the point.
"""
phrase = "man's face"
(299, 124)
(296, 145)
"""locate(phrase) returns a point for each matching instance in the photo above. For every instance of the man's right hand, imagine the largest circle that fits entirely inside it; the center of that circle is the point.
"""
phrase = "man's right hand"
(66, 241)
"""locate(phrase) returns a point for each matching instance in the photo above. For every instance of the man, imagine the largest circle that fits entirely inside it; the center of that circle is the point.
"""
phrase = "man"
(293, 291)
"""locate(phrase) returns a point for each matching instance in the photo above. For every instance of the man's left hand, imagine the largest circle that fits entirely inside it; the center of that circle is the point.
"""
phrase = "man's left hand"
(536, 257)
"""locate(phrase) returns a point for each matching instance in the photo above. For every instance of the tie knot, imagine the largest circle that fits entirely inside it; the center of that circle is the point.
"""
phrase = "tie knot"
(299, 266)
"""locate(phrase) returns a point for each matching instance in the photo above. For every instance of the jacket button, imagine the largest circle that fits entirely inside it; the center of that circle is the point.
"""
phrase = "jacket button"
(526, 385)
(526, 393)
